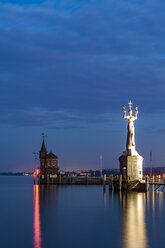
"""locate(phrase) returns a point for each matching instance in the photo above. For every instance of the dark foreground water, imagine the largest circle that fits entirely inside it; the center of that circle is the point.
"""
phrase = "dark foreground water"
(78, 216)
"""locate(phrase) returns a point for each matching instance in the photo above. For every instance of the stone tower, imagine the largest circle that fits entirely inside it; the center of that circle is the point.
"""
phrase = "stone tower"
(48, 163)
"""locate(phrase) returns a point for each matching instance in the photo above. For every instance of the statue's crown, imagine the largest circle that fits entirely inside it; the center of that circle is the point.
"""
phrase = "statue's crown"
(130, 110)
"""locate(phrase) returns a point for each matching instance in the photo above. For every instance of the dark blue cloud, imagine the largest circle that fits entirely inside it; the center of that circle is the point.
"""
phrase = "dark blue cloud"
(40, 117)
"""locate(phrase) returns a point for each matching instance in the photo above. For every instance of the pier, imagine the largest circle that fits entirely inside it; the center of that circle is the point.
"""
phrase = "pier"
(73, 180)
(115, 183)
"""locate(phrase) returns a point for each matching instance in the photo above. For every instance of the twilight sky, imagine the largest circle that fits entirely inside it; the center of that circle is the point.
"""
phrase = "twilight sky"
(68, 67)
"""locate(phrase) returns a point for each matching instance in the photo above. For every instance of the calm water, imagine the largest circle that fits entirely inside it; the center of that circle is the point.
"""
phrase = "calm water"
(78, 216)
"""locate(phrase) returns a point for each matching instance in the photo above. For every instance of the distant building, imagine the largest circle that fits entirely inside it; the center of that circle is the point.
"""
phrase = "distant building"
(48, 163)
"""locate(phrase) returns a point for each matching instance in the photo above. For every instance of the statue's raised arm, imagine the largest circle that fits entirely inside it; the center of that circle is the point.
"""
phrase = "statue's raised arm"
(136, 112)
(124, 111)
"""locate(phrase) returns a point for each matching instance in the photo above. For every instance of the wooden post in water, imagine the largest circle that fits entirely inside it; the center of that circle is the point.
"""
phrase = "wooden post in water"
(159, 184)
(153, 183)
(147, 184)
(120, 183)
(104, 181)
(59, 178)
(87, 179)
(110, 182)
(39, 179)
(34, 178)
(47, 178)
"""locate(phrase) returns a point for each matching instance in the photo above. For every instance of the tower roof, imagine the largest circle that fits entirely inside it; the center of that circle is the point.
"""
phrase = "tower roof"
(43, 147)
(51, 155)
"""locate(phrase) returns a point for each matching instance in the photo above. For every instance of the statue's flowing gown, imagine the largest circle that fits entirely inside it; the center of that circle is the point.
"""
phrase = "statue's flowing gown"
(130, 134)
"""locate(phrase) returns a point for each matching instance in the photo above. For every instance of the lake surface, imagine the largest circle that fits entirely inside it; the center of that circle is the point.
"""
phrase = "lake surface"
(78, 216)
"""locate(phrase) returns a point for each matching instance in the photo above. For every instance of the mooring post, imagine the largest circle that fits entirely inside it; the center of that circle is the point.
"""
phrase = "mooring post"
(59, 178)
(120, 183)
(39, 179)
(104, 181)
(153, 183)
(47, 178)
(34, 178)
(110, 183)
(101, 179)
(87, 179)
(147, 184)
(159, 185)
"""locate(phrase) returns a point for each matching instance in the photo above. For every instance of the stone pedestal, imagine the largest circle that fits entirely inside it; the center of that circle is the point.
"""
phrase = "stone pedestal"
(131, 166)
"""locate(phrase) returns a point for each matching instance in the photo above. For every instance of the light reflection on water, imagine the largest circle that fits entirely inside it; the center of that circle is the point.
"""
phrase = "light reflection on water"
(131, 208)
(37, 223)
(134, 223)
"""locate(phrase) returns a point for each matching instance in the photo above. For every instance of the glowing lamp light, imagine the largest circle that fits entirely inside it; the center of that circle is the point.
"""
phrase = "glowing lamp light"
(37, 172)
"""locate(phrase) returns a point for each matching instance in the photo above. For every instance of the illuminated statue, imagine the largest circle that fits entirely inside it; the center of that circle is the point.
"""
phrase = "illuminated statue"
(131, 163)
(131, 129)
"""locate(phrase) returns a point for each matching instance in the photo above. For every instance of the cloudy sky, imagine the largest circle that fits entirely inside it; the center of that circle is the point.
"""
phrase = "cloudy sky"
(68, 67)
